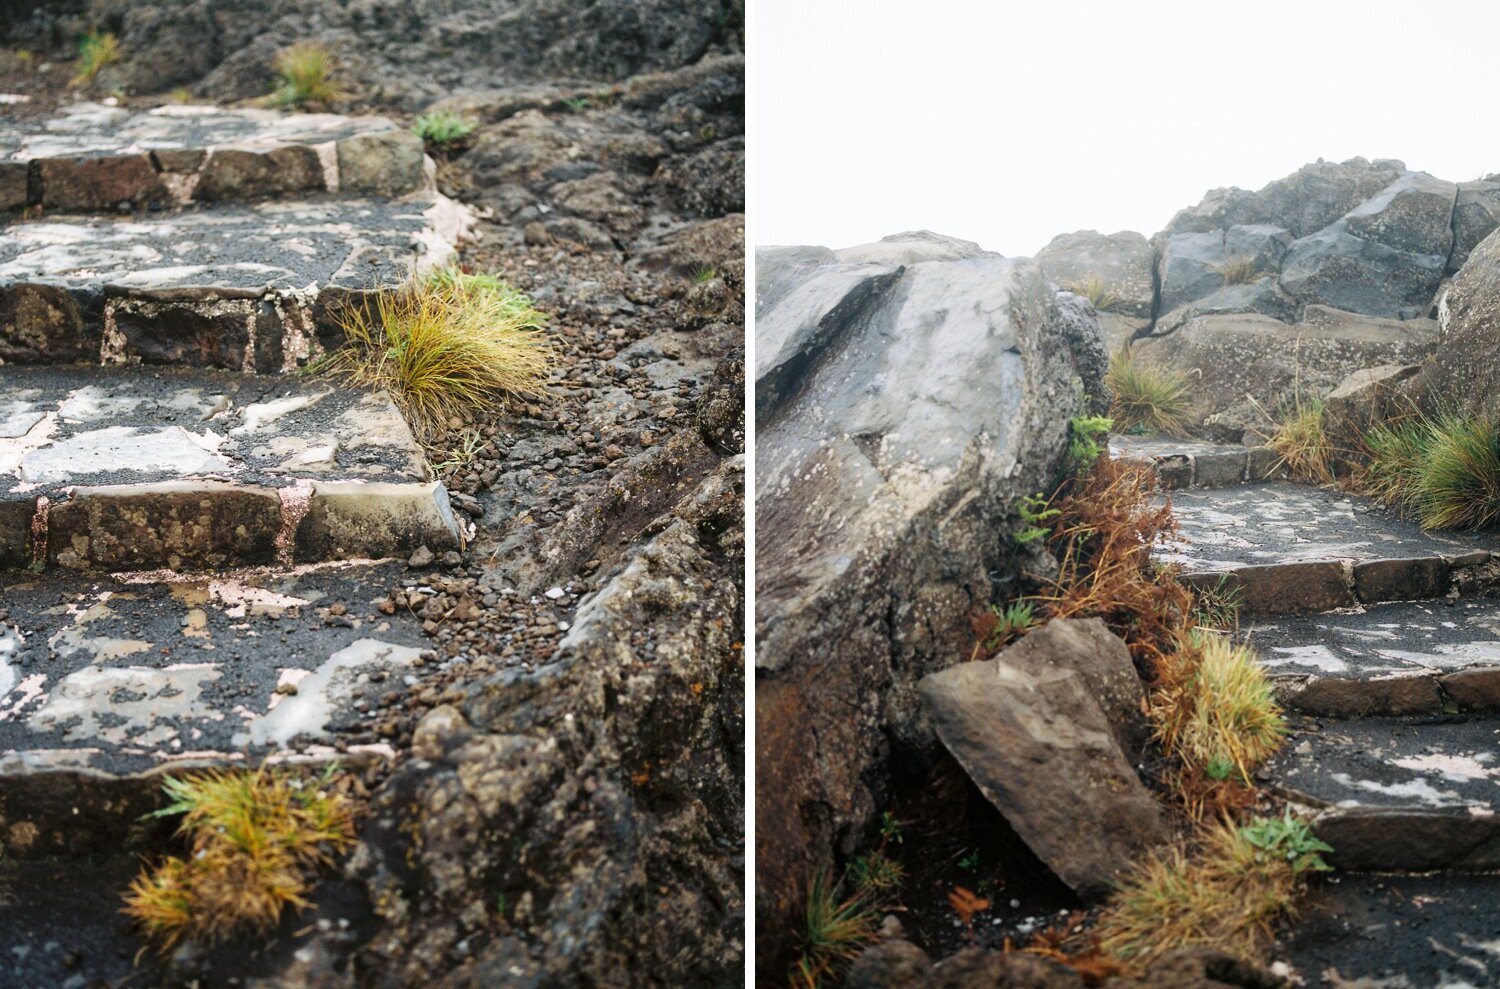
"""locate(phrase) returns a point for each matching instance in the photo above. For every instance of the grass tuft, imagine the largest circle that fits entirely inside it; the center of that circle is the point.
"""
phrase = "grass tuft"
(1216, 709)
(1217, 607)
(1096, 290)
(254, 841)
(1224, 895)
(443, 129)
(305, 75)
(1443, 470)
(1147, 399)
(1239, 271)
(95, 51)
(835, 929)
(1302, 442)
(1395, 452)
(448, 347)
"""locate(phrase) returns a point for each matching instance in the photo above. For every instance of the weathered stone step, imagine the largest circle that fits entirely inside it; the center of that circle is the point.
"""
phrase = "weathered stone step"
(1396, 931)
(108, 680)
(125, 468)
(1288, 548)
(1406, 658)
(1184, 464)
(1403, 795)
(94, 158)
(241, 287)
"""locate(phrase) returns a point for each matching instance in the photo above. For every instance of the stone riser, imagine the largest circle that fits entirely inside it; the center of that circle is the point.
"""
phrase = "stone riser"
(204, 524)
(236, 330)
(1183, 471)
(178, 177)
(1326, 585)
(1398, 840)
(1470, 691)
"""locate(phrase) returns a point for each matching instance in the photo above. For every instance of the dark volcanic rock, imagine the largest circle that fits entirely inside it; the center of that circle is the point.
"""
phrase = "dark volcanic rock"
(234, 174)
(1464, 372)
(1303, 202)
(41, 324)
(909, 392)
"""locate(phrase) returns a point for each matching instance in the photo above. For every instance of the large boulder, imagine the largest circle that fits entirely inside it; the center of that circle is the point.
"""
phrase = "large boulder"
(1476, 213)
(905, 405)
(1063, 705)
(1199, 265)
(1304, 202)
(1246, 368)
(1120, 263)
(1464, 372)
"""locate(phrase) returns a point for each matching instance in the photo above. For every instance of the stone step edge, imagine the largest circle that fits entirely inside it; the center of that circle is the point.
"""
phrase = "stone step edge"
(56, 802)
(201, 524)
(1471, 690)
(1311, 586)
(1218, 469)
(382, 163)
(1405, 839)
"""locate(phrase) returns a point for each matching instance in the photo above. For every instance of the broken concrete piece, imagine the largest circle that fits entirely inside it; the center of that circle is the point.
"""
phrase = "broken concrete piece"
(1039, 729)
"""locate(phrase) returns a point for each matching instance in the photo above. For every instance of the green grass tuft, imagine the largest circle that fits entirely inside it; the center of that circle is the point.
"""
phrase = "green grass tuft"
(305, 75)
(443, 129)
(835, 929)
(1146, 399)
(1442, 470)
(95, 51)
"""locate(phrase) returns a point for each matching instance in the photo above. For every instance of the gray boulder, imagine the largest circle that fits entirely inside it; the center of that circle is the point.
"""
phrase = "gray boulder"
(1303, 202)
(1197, 266)
(1464, 372)
(1062, 705)
(1189, 269)
(905, 407)
(1263, 295)
(1476, 213)
(1120, 262)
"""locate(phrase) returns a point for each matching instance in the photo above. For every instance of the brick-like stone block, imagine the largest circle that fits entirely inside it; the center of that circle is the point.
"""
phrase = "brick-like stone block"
(1174, 472)
(233, 174)
(15, 532)
(93, 184)
(42, 324)
(1401, 580)
(1475, 690)
(349, 521)
(192, 334)
(1395, 696)
(15, 181)
(181, 161)
(392, 163)
(1218, 470)
(178, 524)
(1293, 588)
(1264, 464)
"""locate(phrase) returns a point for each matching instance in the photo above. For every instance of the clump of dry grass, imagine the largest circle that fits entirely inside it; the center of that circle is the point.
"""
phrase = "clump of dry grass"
(1224, 894)
(254, 839)
(1147, 399)
(305, 76)
(1096, 290)
(1301, 440)
(448, 347)
(1215, 708)
(1239, 271)
(835, 928)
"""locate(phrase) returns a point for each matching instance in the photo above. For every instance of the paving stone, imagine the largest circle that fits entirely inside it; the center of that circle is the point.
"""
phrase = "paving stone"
(43, 323)
(1475, 690)
(1380, 696)
(386, 164)
(1218, 470)
(91, 185)
(1319, 585)
(1197, 464)
(370, 521)
(1401, 580)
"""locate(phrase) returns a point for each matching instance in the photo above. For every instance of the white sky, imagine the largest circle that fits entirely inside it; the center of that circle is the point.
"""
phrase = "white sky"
(1009, 122)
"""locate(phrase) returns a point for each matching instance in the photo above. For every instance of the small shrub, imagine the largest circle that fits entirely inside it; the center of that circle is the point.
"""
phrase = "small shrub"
(1458, 486)
(305, 75)
(1147, 399)
(1302, 442)
(446, 348)
(1217, 707)
(1096, 290)
(1239, 271)
(95, 51)
(1224, 895)
(443, 129)
(1395, 451)
(1088, 437)
(834, 930)
(254, 840)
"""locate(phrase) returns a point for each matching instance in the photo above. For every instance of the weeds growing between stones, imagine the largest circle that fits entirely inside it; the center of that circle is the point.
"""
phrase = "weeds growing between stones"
(305, 76)
(836, 927)
(95, 51)
(1147, 399)
(1302, 443)
(443, 130)
(1443, 470)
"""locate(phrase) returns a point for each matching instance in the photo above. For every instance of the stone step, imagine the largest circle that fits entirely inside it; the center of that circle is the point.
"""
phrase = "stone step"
(1405, 658)
(128, 468)
(109, 680)
(1396, 931)
(1398, 794)
(91, 158)
(241, 287)
(1183, 464)
(1289, 548)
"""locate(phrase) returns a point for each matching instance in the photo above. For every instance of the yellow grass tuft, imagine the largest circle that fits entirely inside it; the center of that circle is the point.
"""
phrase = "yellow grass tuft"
(1302, 442)
(1239, 271)
(1147, 399)
(95, 51)
(448, 347)
(305, 75)
(1216, 710)
(254, 840)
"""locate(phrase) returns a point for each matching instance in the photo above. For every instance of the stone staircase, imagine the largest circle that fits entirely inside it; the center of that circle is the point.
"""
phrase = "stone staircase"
(193, 537)
(1384, 645)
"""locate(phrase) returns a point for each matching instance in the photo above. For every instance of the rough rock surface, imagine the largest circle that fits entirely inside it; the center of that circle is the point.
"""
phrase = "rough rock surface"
(905, 404)
(1063, 704)
(1120, 262)
(1464, 370)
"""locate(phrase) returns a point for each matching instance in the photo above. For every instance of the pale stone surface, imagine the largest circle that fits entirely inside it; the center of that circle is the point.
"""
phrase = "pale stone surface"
(305, 714)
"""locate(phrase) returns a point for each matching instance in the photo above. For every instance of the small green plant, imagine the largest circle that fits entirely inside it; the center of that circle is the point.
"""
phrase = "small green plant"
(890, 829)
(1096, 290)
(24, 56)
(181, 95)
(704, 273)
(1011, 621)
(304, 75)
(1146, 399)
(876, 875)
(835, 928)
(443, 129)
(254, 839)
(1302, 442)
(576, 104)
(1239, 271)
(95, 51)
(1288, 838)
(461, 455)
(1444, 470)
(970, 861)
(1034, 512)
(1218, 769)
(1396, 450)
(1217, 607)
(1087, 436)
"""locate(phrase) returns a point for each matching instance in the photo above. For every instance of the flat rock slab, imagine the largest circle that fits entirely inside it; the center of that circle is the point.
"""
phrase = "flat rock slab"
(104, 681)
(1196, 464)
(1398, 932)
(90, 157)
(1417, 657)
(1399, 794)
(125, 467)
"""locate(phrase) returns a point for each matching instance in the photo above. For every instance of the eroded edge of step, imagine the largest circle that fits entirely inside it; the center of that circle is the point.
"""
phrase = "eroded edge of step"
(1372, 839)
(208, 524)
(1309, 586)
(1215, 469)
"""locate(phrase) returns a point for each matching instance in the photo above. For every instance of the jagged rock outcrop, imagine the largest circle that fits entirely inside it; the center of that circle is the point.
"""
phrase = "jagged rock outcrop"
(1118, 270)
(1464, 371)
(908, 394)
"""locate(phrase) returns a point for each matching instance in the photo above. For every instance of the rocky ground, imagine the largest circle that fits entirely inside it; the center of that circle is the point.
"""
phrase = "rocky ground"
(565, 807)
